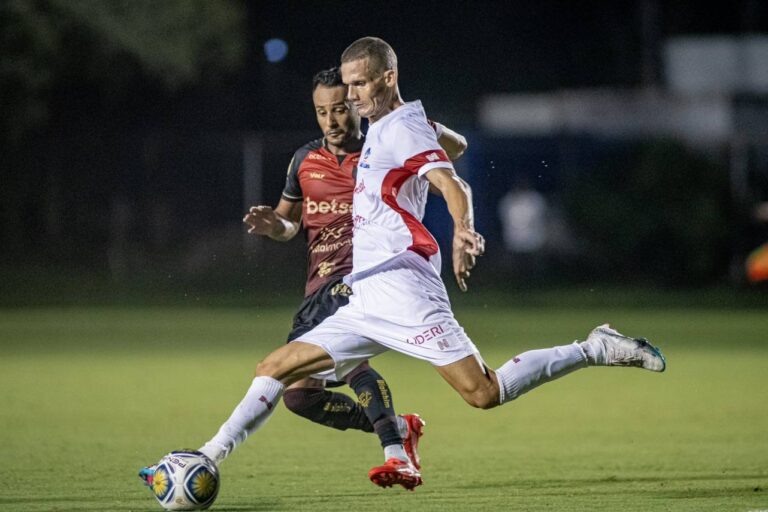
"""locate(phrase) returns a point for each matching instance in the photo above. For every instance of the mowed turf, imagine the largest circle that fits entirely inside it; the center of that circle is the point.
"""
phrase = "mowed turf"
(90, 395)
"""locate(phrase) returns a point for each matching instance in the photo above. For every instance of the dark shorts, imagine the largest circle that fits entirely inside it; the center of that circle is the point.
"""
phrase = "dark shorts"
(318, 306)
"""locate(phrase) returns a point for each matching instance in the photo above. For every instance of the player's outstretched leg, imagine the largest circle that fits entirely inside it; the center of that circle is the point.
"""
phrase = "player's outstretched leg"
(251, 413)
(607, 347)
(603, 347)
(284, 366)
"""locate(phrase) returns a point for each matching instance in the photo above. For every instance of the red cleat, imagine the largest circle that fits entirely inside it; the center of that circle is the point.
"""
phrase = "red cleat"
(396, 471)
(411, 440)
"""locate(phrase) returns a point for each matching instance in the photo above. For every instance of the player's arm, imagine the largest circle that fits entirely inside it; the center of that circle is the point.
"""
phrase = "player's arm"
(281, 223)
(434, 190)
(465, 240)
(454, 143)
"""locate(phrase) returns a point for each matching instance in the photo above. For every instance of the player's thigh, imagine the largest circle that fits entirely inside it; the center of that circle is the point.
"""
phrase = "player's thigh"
(315, 308)
(342, 336)
(294, 361)
(409, 311)
(474, 381)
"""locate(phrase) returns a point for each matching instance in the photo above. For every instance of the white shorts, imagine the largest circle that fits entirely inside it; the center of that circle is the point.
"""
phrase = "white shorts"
(402, 307)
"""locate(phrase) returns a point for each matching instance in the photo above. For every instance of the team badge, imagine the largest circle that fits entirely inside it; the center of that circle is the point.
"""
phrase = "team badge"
(365, 398)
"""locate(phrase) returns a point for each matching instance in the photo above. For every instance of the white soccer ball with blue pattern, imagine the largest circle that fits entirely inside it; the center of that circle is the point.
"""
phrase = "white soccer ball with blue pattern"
(185, 480)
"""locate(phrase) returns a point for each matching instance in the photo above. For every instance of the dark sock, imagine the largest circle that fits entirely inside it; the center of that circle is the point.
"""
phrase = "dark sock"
(373, 394)
(335, 410)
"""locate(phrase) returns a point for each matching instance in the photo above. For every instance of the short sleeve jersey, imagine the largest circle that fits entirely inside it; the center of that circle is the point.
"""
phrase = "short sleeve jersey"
(324, 183)
(391, 190)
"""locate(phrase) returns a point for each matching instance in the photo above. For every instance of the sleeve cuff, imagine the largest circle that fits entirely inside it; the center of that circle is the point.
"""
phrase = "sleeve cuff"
(434, 165)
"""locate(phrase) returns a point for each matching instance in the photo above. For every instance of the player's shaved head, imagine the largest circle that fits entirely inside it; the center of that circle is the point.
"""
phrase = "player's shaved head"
(381, 57)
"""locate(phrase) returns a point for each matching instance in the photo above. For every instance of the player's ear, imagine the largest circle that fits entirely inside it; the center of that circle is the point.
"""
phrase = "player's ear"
(390, 77)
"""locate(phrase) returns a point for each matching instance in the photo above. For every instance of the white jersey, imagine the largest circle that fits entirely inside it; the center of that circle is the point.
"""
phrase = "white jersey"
(391, 190)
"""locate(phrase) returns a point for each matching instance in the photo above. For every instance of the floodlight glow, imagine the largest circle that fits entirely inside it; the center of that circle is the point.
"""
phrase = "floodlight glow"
(275, 50)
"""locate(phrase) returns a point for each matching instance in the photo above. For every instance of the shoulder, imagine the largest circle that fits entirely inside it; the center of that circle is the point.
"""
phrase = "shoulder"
(412, 119)
(310, 147)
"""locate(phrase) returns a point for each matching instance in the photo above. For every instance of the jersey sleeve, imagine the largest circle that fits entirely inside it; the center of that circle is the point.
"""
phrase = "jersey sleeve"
(292, 190)
(437, 127)
(417, 148)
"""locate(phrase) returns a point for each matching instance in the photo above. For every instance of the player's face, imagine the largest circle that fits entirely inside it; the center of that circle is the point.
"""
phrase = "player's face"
(369, 92)
(337, 121)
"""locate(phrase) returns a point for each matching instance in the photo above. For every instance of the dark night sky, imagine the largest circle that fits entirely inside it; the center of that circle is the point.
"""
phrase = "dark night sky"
(450, 53)
(115, 131)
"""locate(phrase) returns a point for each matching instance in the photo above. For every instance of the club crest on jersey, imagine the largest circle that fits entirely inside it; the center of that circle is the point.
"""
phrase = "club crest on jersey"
(325, 268)
(364, 164)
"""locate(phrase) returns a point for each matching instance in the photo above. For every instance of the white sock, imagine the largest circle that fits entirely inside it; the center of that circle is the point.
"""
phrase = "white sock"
(395, 450)
(535, 367)
(595, 351)
(402, 426)
(251, 413)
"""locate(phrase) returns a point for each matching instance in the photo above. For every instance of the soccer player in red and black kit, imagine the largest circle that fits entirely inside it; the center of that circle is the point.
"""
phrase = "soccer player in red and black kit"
(318, 193)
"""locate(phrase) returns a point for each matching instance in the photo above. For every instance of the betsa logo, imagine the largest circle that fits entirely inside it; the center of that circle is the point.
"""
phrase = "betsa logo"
(433, 156)
(326, 207)
(316, 156)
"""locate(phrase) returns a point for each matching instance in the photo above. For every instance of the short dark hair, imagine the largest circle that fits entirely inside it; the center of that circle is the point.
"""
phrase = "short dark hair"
(328, 78)
(381, 57)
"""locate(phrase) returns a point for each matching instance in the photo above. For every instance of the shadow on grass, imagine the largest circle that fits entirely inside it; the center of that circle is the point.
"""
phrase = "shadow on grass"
(583, 482)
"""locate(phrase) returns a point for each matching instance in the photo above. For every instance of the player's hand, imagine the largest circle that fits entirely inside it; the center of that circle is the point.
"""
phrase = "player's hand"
(467, 245)
(262, 220)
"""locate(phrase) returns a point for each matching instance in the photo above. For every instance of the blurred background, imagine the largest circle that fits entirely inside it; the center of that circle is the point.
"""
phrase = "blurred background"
(612, 146)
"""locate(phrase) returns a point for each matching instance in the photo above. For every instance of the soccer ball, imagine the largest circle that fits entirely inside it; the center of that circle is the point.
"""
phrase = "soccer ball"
(185, 480)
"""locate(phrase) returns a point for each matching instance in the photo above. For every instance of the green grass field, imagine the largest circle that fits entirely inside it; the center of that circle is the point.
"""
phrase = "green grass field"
(89, 395)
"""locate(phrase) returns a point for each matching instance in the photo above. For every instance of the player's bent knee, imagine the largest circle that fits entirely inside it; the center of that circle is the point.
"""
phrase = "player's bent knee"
(482, 399)
(480, 394)
(267, 368)
(299, 400)
(294, 362)
(277, 369)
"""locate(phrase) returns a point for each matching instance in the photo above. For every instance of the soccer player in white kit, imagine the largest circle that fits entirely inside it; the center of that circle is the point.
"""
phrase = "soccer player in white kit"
(399, 300)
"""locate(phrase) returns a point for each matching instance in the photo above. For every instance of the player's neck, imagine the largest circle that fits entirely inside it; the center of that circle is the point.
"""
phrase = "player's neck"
(352, 145)
(395, 103)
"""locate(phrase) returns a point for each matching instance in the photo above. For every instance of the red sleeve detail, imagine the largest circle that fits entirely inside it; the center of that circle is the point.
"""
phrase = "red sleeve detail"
(424, 244)
(416, 162)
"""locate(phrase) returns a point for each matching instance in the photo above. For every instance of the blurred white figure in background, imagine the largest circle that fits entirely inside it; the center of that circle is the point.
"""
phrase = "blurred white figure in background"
(524, 217)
